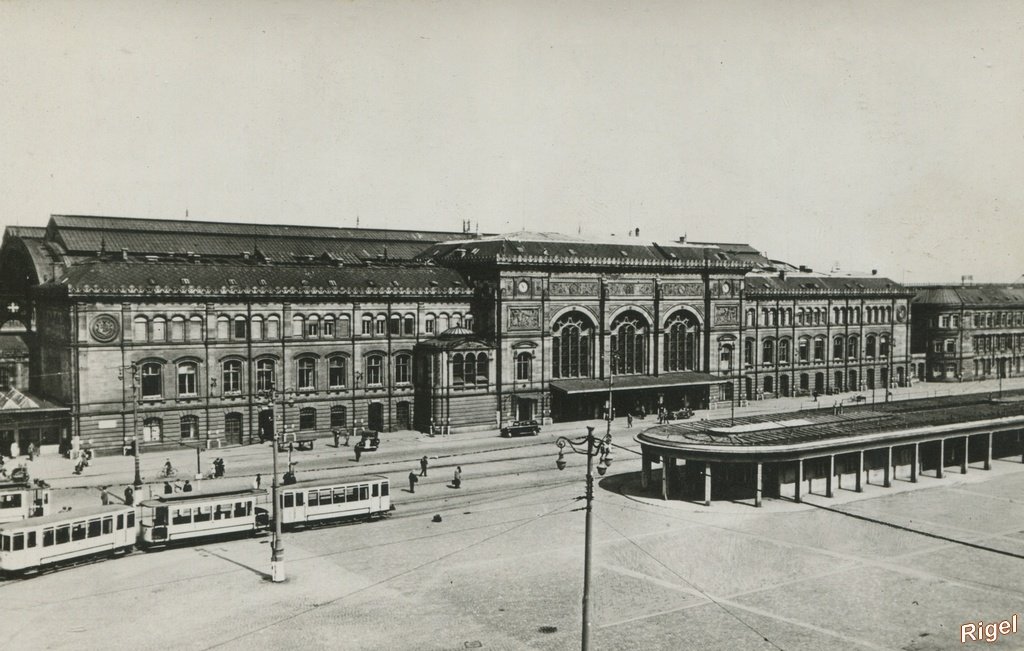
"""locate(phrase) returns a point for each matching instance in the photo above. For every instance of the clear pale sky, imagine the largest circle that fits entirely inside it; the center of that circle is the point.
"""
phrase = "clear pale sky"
(884, 135)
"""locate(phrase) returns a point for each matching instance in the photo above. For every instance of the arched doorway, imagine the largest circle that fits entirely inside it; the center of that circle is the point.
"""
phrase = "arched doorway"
(375, 417)
(784, 385)
(819, 383)
(403, 415)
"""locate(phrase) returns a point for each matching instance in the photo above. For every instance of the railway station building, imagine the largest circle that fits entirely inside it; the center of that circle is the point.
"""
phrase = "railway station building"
(177, 331)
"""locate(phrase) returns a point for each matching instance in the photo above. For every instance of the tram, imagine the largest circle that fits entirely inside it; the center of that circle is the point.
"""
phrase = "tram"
(23, 499)
(318, 500)
(169, 519)
(36, 543)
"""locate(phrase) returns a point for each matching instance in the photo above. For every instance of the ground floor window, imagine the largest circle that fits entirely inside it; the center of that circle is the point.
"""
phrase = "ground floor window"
(152, 430)
(307, 418)
(339, 416)
(189, 427)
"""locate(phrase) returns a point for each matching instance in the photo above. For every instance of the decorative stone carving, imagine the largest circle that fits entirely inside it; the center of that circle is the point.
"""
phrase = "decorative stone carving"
(631, 289)
(727, 315)
(682, 289)
(105, 328)
(573, 288)
(523, 318)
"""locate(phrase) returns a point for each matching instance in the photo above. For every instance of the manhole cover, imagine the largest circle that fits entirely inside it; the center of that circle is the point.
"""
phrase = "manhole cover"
(548, 629)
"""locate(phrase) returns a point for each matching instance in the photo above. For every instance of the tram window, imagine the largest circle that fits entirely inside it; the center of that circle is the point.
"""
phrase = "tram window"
(10, 501)
(314, 498)
(182, 516)
(239, 509)
(203, 514)
(5, 543)
(218, 513)
(325, 496)
(364, 492)
(31, 538)
(19, 542)
(298, 499)
(108, 525)
(48, 537)
(120, 521)
(384, 489)
(78, 531)
(94, 528)
(63, 534)
(160, 515)
(289, 500)
(131, 520)
(352, 494)
(339, 495)
(376, 490)
(248, 508)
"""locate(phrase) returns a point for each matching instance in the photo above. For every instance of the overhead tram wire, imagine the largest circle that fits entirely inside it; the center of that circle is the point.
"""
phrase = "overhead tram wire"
(691, 584)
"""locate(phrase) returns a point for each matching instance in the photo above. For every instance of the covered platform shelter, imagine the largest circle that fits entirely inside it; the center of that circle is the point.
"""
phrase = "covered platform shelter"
(784, 455)
(586, 398)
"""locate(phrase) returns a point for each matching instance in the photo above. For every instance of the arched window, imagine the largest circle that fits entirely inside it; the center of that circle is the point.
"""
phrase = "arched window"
(682, 334)
(403, 368)
(819, 349)
(837, 348)
(395, 325)
(524, 366)
(800, 316)
(195, 328)
(467, 322)
(140, 329)
(409, 325)
(231, 376)
(768, 352)
(158, 331)
(187, 372)
(784, 351)
(339, 416)
(869, 346)
(856, 315)
(458, 378)
(375, 370)
(380, 325)
(307, 374)
(751, 316)
(430, 324)
(748, 352)
(273, 327)
(442, 322)
(189, 427)
(344, 326)
(307, 418)
(177, 328)
(327, 326)
(469, 369)
(629, 344)
(853, 347)
(223, 327)
(152, 430)
(298, 325)
(883, 346)
(152, 380)
(482, 369)
(367, 325)
(265, 375)
(571, 337)
(337, 372)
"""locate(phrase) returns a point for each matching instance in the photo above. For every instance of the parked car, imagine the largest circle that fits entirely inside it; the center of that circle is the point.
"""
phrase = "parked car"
(521, 428)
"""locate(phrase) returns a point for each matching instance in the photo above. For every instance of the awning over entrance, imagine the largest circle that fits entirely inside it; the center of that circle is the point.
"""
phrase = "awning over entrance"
(633, 382)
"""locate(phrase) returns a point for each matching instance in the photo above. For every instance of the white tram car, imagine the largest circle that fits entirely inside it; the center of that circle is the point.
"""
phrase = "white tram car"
(319, 500)
(169, 519)
(36, 543)
(22, 499)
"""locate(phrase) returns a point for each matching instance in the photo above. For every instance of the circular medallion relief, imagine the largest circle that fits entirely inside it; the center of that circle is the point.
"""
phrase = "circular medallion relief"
(104, 328)
(901, 313)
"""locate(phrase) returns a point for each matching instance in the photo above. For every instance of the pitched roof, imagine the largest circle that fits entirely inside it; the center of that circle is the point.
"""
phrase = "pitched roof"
(991, 295)
(811, 284)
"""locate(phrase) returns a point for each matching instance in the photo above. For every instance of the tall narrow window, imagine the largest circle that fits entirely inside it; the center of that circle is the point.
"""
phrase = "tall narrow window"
(458, 378)
(429, 324)
(223, 328)
(784, 351)
(195, 328)
(725, 357)
(239, 329)
(307, 374)
(629, 344)
(307, 418)
(187, 379)
(140, 329)
(837, 348)
(469, 369)
(177, 328)
(571, 338)
(403, 369)
(339, 416)
(337, 371)
(804, 349)
(298, 325)
(273, 327)
(375, 370)
(256, 328)
(524, 362)
(158, 331)
(681, 336)
(344, 326)
(367, 325)
(265, 375)
(313, 327)
(328, 326)
(409, 325)
(482, 370)
(768, 351)
(232, 376)
(152, 380)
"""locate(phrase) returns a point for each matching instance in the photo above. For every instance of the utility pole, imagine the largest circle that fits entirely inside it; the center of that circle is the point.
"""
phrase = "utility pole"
(277, 544)
(136, 443)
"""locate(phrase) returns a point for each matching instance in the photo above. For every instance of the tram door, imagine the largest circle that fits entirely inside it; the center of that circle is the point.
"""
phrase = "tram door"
(375, 417)
(266, 424)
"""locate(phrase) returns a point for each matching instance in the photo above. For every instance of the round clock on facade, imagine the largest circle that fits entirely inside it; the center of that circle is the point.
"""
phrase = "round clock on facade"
(726, 288)
(524, 286)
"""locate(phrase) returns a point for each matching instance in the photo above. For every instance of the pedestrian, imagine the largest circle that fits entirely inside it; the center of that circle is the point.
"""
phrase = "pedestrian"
(348, 435)
(15, 450)
(129, 496)
(256, 482)
(187, 488)
(168, 489)
(337, 438)
(359, 450)
(629, 420)
(104, 496)
(423, 466)
(31, 451)
(80, 466)
(412, 481)
(457, 479)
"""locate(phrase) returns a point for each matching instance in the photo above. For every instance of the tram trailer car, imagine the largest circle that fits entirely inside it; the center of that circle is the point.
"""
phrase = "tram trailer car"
(318, 500)
(20, 500)
(36, 543)
(170, 519)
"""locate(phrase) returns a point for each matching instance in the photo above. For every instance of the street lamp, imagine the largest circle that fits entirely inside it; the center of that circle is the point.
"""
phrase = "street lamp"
(266, 397)
(136, 444)
(595, 447)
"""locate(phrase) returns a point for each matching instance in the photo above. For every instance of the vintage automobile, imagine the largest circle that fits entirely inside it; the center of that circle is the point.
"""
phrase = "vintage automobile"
(521, 428)
(369, 440)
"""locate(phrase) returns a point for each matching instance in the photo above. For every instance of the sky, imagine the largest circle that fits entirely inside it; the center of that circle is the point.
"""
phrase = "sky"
(859, 135)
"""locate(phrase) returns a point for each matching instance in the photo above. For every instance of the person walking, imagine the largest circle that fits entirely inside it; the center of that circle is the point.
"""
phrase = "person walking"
(412, 481)
(31, 451)
(423, 466)
(348, 435)
(256, 482)
(629, 420)
(359, 450)
(457, 479)
(104, 496)
(129, 496)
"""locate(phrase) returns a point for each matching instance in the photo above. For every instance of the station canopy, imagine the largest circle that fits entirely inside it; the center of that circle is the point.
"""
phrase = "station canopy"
(634, 382)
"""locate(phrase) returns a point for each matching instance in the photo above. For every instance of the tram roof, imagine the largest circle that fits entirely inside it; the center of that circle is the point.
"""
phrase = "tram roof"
(812, 428)
(177, 498)
(73, 515)
(310, 483)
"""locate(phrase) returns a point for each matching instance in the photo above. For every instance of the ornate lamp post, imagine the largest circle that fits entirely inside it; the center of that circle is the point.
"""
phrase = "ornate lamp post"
(591, 446)
(136, 443)
(266, 397)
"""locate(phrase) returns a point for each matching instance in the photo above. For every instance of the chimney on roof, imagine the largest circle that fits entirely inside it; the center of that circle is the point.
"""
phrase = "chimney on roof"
(124, 254)
(874, 272)
(805, 270)
(682, 240)
(782, 274)
(637, 234)
(967, 280)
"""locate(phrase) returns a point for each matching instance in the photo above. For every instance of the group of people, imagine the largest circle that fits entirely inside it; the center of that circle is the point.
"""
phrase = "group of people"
(414, 478)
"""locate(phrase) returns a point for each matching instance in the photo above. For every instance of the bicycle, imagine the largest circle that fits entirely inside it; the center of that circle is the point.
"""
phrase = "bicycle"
(167, 472)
